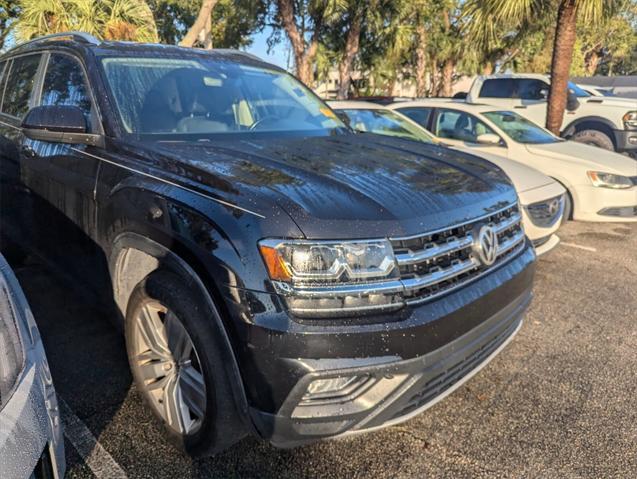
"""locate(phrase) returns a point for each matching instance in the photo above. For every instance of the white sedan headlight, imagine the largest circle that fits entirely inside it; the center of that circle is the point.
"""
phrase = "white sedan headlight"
(609, 180)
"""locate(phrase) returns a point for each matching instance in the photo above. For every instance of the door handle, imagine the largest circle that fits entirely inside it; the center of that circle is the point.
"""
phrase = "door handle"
(520, 106)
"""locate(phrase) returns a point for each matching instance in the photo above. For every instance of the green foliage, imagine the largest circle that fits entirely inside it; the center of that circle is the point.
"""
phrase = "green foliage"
(107, 19)
(9, 11)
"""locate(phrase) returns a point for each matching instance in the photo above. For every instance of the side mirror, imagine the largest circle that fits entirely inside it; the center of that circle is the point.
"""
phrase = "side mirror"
(488, 139)
(544, 93)
(58, 124)
(572, 103)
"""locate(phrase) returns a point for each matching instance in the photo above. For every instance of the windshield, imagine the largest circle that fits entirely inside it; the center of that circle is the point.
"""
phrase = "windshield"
(197, 99)
(579, 92)
(388, 123)
(520, 129)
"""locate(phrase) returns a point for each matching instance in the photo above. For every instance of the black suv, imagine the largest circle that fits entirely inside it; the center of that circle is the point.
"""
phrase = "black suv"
(274, 272)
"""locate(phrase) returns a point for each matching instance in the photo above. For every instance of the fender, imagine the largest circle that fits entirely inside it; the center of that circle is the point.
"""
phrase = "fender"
(201, 232)
(143, 225)
(572, 127)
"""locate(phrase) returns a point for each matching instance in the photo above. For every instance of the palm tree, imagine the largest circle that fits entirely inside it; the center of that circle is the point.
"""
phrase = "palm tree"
(524, 12)
(201, 30)
(304, 22)
(129, 20)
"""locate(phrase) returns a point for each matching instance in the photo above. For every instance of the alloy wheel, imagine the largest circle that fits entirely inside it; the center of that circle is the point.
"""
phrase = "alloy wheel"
(167, 362)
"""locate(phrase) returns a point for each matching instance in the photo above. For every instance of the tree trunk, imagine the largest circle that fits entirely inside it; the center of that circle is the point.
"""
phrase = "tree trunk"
(201, 30)
(304, 70)
(303, 57)
(352, 45)
(205, 36)
(433, 82)
(487, 68)
(446, 82)
(565, 34)
(421, 60)
(592, 62)
(391, 85)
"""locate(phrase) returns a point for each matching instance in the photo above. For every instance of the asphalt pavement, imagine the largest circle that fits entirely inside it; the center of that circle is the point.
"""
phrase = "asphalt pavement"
(559, 401)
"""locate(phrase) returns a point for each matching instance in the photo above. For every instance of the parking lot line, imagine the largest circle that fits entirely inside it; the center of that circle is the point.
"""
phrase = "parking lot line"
(92, 453)
(579, 246)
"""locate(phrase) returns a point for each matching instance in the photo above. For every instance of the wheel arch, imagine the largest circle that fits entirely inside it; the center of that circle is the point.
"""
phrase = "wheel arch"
(597, 123)
(134, 256)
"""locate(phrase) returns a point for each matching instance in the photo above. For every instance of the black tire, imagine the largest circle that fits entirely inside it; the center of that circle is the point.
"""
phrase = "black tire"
(568, 208)
(595, 138)
(215, 432)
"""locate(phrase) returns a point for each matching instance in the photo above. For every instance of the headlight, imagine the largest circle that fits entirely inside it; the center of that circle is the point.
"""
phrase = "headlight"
(333, 278)
(609, 180)
(322, 262)
(11, 350)
(630, 120)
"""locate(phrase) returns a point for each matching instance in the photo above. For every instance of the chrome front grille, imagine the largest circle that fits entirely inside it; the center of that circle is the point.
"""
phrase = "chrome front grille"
(435, 263)
(429, 265)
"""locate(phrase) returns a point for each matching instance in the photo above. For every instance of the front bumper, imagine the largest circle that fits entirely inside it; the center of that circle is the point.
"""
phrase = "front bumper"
(626, 141)
(542, 231)
(544, 245)
(605, 204)
(407, 364)
(399, 390)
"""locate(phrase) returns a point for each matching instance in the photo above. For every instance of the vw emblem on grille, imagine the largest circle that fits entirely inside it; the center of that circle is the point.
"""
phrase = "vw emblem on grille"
(485, 244)
(554, 207)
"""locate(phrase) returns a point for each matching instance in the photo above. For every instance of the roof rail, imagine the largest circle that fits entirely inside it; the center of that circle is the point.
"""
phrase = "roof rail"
(77, 36)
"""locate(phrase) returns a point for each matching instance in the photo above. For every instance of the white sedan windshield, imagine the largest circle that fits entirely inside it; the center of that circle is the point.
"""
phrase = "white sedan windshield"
(388, 123)
(520, 129)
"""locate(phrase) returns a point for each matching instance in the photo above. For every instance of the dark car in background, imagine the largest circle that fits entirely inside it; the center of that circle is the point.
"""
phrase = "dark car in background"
(274, 273)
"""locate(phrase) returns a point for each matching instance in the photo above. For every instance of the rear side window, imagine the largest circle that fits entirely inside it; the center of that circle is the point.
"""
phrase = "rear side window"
(497, 88)
(65, 84)
(530, 89)
(458, 125)
(19, 85)
(418, 114)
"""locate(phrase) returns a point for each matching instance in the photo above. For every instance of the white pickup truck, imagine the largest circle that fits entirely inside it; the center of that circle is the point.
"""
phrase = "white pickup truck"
(606, 122)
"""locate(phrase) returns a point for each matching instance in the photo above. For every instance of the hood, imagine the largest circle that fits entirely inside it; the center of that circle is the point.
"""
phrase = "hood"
(590, 157)
(346, 185)
(612, 101)
(523, 177)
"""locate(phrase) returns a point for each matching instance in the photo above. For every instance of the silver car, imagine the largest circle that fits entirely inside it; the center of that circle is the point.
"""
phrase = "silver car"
(31, 443)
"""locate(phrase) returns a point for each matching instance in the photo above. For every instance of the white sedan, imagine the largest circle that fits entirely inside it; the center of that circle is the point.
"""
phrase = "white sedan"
(601, 185)
(541, 197)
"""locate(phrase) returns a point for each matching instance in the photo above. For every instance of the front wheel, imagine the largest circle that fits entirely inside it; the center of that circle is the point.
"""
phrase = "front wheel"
(595, 138)
(174, 361)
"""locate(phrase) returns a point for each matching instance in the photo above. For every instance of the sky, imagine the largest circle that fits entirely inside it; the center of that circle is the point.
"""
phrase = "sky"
(259, 47)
